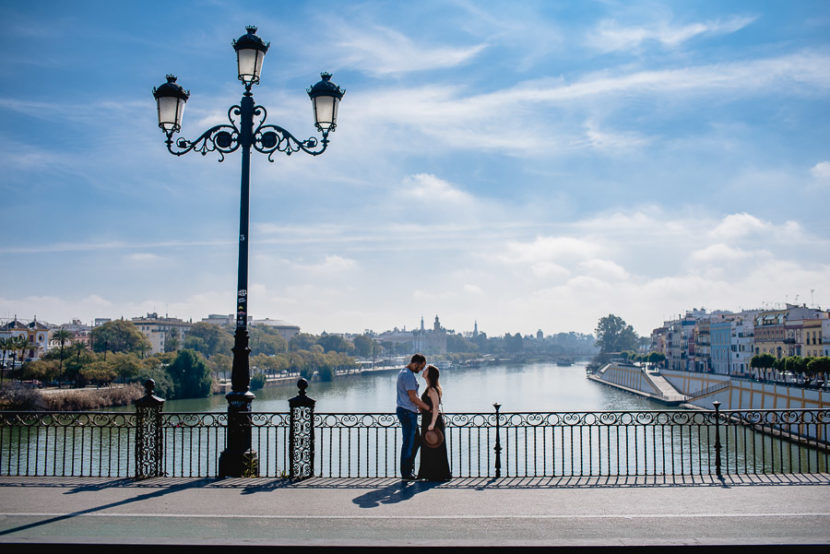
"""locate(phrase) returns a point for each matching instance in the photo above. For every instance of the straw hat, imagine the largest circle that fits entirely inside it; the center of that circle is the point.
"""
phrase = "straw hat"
(434, 438)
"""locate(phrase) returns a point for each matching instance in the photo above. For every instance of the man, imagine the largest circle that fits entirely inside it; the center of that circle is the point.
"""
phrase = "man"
(408, 405)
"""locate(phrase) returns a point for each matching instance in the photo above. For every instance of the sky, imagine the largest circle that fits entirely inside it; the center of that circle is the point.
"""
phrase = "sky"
(523, 165)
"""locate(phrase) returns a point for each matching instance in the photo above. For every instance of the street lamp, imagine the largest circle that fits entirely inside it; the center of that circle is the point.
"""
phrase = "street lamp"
(247, 130)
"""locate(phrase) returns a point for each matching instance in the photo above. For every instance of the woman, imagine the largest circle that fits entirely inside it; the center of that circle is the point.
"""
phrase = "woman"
(434, 463)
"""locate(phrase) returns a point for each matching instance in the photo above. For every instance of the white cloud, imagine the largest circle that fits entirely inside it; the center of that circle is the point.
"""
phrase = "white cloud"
(142, 258)
(609, 35)
(742, 225)
(718, 253)
(527, 120)
(331, 265)
(473, 289)
(604, 270)
(384, 51)
(548, 249)
(428, 188)
(606, 140)
(821, 172)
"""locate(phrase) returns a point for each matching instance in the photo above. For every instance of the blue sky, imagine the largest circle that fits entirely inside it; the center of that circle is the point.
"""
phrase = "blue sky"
(531, 165)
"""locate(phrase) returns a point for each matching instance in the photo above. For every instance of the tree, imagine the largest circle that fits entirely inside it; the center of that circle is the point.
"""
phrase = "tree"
(126, 365)
(79, 357)
(42, 370)
(208, 339)
(61, 335)
(266, 340)
(119, 336)
(655, 358)
(191, 377)
(763, 362)
(171, 340)
(513, 343)
(818, 366)
(615, 335)
(301, 341)
(99, 372)
(335, 343)
(364, 346)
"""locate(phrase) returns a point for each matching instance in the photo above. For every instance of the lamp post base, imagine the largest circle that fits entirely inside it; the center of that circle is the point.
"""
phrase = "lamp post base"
(239, 459)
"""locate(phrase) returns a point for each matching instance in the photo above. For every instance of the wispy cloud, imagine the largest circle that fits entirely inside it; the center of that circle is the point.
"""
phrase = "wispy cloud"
(381, 51)
(526, 119)
(609, 35)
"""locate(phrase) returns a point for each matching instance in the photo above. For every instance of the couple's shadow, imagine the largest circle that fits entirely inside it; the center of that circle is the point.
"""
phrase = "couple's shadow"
(397, 492)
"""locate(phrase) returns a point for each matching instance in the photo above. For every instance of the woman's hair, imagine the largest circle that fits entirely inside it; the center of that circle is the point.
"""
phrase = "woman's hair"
(432, 378)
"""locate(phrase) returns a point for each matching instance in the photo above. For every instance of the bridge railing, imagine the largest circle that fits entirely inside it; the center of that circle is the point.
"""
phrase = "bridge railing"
(495, 444)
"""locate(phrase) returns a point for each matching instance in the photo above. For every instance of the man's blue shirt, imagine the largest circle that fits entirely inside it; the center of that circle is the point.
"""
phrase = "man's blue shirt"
(407, 382)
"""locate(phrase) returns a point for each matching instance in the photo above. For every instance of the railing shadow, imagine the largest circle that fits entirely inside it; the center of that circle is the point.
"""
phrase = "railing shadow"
(169, 489)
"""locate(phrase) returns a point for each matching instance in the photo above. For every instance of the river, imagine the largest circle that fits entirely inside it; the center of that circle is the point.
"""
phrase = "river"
(537, 387)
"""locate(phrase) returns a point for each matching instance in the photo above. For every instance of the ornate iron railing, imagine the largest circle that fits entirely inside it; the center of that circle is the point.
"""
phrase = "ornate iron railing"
(524, 444)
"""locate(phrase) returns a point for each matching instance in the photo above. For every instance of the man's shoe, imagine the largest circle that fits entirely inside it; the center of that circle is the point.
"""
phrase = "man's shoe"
(409, 477)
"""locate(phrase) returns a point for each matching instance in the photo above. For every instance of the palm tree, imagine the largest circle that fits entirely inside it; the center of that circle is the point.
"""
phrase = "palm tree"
(61, 335)
(5, 345)
(16, 343)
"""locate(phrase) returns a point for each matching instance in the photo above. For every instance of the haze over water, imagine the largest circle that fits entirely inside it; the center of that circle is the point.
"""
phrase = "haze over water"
(542, 387)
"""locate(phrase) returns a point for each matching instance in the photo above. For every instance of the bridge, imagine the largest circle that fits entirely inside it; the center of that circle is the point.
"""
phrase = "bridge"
(572, 479)
(564, 512)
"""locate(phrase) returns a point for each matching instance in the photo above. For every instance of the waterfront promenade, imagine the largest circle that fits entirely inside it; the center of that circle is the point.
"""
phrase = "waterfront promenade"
(608, 512)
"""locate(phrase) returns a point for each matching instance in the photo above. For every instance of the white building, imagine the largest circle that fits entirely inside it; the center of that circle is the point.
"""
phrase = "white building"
(285, 329)
(156, 329)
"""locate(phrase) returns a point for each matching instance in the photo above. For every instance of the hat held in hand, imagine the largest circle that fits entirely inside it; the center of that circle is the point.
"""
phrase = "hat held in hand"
(434, 438)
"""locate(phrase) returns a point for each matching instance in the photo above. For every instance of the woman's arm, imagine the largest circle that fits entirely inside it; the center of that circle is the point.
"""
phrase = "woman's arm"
(433, 395)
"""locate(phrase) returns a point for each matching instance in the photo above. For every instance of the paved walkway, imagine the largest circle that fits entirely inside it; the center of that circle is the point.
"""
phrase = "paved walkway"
(757, 510)
(668, 391)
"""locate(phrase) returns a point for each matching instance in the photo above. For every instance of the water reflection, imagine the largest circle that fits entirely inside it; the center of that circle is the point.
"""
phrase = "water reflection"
(543, 387)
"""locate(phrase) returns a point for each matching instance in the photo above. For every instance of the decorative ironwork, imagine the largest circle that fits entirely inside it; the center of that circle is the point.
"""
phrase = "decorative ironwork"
(269, 139)
(149, 441)
(301, 440)
(302, 443)
(223, 139)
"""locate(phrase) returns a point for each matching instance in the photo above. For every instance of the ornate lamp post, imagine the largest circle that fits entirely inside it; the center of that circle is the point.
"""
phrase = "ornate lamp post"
(247, 129)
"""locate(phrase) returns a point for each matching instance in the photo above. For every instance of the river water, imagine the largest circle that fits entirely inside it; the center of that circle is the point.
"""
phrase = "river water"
(634, 442)
(539, 387)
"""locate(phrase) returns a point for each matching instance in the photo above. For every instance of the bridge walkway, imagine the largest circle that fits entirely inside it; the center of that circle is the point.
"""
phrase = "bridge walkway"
(463, 513)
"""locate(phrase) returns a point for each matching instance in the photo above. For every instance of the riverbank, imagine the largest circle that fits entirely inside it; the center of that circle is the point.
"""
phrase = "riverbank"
(699, 390)
(17, 397)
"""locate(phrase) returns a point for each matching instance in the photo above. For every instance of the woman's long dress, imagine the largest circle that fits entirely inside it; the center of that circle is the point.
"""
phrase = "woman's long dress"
(434, 463)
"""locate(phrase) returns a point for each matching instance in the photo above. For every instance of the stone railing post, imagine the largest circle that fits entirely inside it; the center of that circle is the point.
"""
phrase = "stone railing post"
(498, 442)
(301, 434)
(149, 438)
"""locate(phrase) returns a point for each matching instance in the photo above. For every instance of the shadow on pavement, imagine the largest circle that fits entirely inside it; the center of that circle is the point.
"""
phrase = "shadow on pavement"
(388, 485)
(169, 489)
(391, 494)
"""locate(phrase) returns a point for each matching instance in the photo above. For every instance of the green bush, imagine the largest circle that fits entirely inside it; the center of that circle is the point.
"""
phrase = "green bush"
(258, 381)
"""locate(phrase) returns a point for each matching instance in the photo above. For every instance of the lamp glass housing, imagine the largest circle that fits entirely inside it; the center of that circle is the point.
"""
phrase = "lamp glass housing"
(249, 61)
(325, 112)
(171, 110)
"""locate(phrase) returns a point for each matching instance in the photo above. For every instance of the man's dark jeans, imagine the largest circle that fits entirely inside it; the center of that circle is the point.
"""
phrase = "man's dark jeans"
(409, 446)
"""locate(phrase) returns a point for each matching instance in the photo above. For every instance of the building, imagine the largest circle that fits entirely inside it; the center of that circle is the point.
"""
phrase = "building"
(432, 341)
(741, 344)
(285, 329)
(770, 332)
(223, 320)
(825, 337)
(37, 339)
(157, 329)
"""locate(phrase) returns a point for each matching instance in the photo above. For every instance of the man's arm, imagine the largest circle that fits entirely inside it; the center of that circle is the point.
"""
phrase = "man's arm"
(417, 401)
